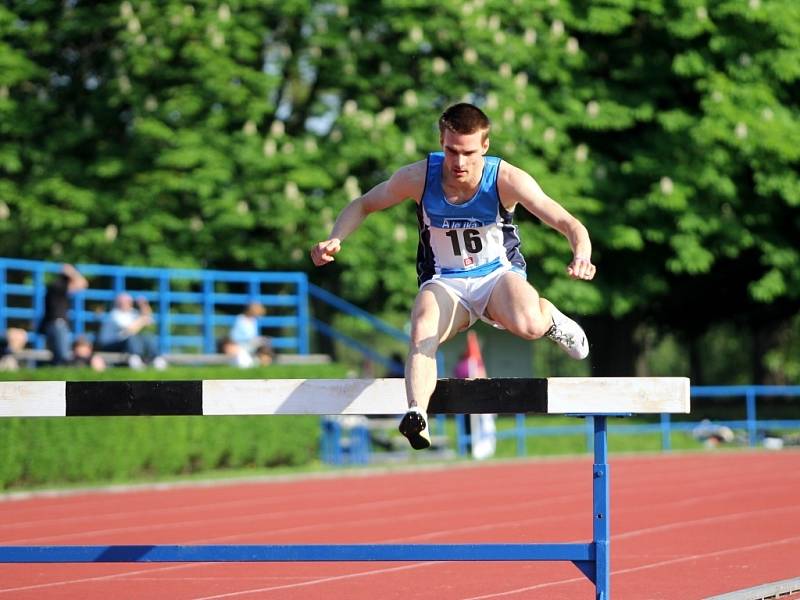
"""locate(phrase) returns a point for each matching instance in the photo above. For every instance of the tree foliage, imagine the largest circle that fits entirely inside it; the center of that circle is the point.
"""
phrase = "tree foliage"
(230, 134)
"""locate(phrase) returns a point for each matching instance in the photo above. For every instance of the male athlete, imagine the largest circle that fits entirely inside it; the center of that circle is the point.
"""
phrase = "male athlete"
(469, 262)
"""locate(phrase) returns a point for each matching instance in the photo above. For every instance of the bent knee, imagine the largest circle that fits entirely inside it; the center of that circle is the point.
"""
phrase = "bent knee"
(531, 328)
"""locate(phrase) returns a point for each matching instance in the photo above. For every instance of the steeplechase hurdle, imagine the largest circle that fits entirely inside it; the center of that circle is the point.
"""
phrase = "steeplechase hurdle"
(598, 398)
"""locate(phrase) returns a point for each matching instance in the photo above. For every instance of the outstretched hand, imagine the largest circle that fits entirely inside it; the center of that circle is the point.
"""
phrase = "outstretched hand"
(581, 268)
(323, 252)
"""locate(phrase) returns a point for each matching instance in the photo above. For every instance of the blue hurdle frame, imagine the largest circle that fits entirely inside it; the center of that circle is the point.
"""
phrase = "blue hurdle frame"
(593, 558)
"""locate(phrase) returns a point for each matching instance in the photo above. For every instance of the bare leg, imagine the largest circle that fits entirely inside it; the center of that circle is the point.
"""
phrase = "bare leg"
(437, 316)
(517, 306)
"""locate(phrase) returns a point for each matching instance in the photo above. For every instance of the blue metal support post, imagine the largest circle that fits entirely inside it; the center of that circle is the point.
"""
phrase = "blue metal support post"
(666, 431)
(601, 501)
(303, 323)
(3, 301)
(752, 425)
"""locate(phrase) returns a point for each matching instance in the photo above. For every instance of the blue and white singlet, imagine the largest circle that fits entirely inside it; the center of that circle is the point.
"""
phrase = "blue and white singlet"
(465, 240)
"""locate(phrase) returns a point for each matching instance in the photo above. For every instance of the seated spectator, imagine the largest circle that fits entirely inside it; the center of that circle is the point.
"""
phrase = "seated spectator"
(83, 355)
(237, 355)
(11, 342)
(123, 331)
(245, 328)
(265, 354)
(244, 334)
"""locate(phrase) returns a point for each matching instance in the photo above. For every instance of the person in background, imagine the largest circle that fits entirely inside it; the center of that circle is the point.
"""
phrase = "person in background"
(265, 355)
(123, 330)
(470, 364)
(239, 356)
(236, 355)
(83, 355)
(11, 342)
(54, 325)
(711, 434)
(244, 333)
(481, 428)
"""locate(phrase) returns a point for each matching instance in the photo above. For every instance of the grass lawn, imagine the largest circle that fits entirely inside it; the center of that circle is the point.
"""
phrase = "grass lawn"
(326, 371)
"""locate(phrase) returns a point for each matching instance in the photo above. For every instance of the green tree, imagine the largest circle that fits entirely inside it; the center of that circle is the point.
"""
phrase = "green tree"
(229, 134)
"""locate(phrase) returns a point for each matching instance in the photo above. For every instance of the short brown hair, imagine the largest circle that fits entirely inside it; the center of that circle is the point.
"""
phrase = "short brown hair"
(464, 118)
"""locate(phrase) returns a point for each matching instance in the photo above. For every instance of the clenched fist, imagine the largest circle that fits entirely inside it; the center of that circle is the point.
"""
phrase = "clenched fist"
(323, 252)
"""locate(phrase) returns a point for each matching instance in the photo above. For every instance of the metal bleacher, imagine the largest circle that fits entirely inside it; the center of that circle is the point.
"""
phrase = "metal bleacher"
(192, 308)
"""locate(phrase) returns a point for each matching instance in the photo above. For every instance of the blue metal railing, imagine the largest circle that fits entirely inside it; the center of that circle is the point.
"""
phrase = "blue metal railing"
(666, 426)
(191, 307)
(751, 424)
(318, 293)
(190, 310)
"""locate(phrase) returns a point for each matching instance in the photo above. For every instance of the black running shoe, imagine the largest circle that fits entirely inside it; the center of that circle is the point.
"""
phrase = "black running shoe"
(414, 427)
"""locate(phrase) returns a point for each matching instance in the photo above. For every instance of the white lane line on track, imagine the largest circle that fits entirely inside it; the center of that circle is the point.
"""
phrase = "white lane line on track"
(415, 516)
(643, 531)
(316, 512)
(176, 567)
(527, 589)
(317, 581)
(288, 478)
(264, 502)
(247, 518)
(133, 574)
(490, 526)
(257, 503)
(50, 584)
(645, 567)
(260, 502)
(499, 594)
(251, 519)
(704, 521)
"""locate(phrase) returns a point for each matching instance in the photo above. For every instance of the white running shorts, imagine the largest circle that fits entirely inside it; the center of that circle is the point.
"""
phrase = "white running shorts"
(473, 293)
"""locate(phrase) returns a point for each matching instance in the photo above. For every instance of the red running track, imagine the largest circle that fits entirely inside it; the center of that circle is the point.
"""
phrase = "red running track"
(683, 527)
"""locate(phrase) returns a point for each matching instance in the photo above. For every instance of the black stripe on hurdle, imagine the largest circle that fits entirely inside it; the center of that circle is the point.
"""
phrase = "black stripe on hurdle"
(112, 398)
(451, 396)
(475, 396)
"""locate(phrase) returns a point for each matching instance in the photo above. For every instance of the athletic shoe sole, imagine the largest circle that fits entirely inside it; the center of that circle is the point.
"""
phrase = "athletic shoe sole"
(414, 427)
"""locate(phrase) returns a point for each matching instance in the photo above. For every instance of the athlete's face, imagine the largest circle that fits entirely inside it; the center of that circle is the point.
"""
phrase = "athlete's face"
(463, 154)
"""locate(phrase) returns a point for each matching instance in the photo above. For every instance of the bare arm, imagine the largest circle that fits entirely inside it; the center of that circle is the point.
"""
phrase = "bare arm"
(140, 323)
(518, 187)
(407, 182)
(77, 281)
(144, 319)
